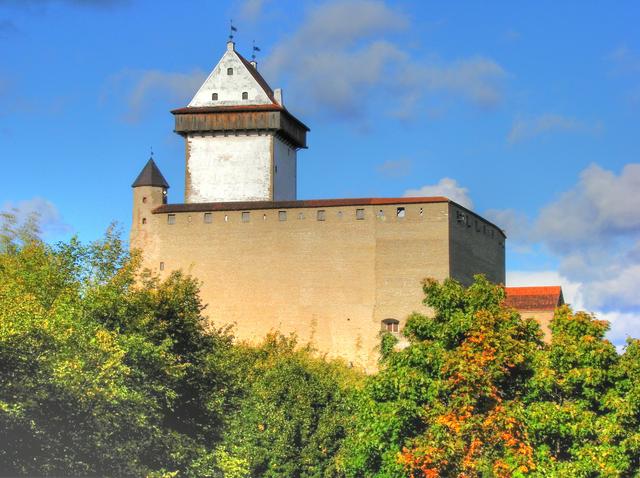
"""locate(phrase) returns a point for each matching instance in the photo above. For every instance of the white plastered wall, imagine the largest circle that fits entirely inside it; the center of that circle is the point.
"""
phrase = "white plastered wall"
(230, 87)
(228, 168)
(285, 157)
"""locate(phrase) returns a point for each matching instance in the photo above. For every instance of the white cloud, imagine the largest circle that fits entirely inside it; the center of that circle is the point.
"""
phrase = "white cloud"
(594, 231)
(601, 206)
(395, 168)
(477, 79)
(342, 56)
(142, 88)
(251, 9)
(50, 220)
(446, 187)
(515, 224)
(528, 128)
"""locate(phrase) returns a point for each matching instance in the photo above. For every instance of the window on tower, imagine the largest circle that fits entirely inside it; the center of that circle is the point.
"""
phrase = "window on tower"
(214, 96)
(229, 71)
(245, 95)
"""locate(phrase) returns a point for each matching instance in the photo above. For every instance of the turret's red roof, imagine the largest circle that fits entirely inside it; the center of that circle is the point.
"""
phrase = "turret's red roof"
(534, 298)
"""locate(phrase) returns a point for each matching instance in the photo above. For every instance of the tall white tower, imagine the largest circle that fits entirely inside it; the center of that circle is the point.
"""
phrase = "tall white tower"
(241, 142)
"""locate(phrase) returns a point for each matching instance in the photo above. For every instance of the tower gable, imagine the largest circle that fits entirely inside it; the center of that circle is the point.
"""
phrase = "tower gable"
(233, 82)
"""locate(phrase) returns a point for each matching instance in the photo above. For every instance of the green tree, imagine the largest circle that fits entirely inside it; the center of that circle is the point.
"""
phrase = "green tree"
(576, 404)
(104, 371)
(294, 411)
(449, 404)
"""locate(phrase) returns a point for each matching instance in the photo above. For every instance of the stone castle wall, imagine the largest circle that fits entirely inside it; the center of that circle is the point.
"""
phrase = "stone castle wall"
(329, 273)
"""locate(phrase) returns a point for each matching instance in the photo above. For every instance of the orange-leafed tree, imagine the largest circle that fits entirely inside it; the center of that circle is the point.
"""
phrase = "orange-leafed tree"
(451, 403)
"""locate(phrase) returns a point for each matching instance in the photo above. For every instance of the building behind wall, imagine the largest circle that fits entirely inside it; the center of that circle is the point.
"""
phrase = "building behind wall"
(335, 272)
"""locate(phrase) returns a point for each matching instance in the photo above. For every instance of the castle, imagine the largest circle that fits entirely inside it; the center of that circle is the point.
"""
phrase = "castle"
(335, 272)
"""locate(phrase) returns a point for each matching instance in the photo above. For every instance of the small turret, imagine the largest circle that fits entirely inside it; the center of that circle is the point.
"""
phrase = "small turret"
(149, 192)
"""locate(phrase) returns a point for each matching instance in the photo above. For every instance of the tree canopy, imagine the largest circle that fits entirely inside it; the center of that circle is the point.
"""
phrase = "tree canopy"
(106, 370)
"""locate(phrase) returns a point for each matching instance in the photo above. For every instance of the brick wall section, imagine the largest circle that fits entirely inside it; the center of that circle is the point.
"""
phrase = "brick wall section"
(330, 281)
(476, 246)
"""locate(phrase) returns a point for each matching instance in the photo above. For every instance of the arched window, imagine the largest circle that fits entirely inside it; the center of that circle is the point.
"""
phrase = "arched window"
(245, 95)
(229, 71)
(214, 96)
(391, 325)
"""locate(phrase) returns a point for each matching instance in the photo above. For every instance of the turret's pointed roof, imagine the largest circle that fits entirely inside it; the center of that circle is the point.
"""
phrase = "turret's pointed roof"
(150, 176)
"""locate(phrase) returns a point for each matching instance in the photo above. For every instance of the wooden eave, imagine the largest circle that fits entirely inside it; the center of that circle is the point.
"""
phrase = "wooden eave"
(269, 117)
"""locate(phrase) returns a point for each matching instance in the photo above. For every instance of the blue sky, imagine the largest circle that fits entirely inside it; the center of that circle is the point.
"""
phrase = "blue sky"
(528, 112)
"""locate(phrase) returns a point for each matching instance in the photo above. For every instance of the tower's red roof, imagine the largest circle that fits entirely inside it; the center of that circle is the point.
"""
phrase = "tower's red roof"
(534, 298)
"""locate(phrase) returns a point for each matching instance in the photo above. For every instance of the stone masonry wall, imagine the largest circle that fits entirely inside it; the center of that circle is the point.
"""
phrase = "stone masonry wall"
(330, 275)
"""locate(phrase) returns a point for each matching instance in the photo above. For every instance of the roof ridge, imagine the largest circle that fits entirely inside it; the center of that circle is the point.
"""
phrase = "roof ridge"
(257, 76)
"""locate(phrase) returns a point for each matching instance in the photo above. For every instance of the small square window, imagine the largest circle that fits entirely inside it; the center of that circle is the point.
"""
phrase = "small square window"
(245, 216)
(229, 71)
(162, 266)
(400, 212)
(171, 219)
(359, 214)
(321, 215)
(282, 215)
(214, 96)
(208, 217)
(245, 95)
(144, 220)
(301, 215)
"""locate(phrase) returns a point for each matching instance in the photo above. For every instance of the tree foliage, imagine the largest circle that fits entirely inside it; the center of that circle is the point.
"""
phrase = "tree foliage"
(478, 393)
(105, 370)
(294, 411)
(102, 371)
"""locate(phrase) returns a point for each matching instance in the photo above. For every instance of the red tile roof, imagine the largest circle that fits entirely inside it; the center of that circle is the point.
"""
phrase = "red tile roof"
(534, 298)
(309, 203)
(224, 108)
(237, 109)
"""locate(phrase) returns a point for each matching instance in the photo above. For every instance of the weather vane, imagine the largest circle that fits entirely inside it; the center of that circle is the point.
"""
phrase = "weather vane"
(231, 30)
(254, 50)
(151, 148)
